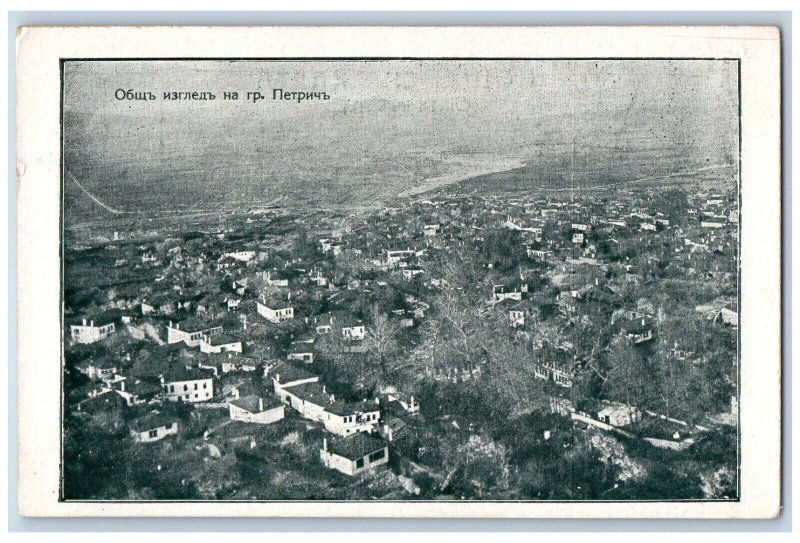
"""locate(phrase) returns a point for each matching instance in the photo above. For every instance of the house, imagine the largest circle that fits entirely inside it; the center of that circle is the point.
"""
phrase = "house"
(637, 326)
(618, 414)
(557, 364)
(153, 427)
(580, 227)
(192, 332)
(241, 256)
(354, 331)
(503, 292)
(518, 311)
(355, 454)
(188, 385)
(410, 272)
(98, 369)
(220, 343)
(92, 331)
(639, 331)
(431, 229)
(277, 313)
(395, 256)
(346, 418)
(730, 316)
(310, 399)
(318, 279)
(537, 254)
(286, 375)
(226, 362)
(278, 279)
(254, 409)
(399, 402)
(303, 393)
(138, 391)
(102, 401)
(302, 351)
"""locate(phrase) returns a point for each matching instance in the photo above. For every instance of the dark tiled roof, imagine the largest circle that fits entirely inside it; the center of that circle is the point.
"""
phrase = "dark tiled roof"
(250, 403)
(142, 388)
(289, 372)
(350, 408)
(103, 362)
(195, 324)
(183, 374)
(222, 339)
(311, 392)
(151, 421)
(355, 446)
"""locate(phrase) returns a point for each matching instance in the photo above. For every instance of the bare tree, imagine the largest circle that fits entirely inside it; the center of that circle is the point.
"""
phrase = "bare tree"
(381, 338)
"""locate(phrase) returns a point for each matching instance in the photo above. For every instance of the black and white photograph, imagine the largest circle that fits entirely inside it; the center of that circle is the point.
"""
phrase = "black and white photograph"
(400, 279)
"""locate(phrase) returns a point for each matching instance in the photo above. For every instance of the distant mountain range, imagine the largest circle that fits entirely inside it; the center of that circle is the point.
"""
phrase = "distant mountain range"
(368, 153)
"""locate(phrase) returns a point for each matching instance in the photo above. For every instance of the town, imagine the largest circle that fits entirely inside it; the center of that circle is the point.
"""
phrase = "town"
(506, 345)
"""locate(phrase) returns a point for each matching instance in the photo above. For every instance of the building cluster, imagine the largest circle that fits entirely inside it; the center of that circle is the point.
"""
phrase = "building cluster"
(239, 320)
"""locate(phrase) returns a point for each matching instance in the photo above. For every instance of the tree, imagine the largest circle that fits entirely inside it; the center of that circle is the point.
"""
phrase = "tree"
(381, 338)
(629, 378)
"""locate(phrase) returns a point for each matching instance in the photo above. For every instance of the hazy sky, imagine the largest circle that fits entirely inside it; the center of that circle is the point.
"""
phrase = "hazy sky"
(381, 112)
(695, 89)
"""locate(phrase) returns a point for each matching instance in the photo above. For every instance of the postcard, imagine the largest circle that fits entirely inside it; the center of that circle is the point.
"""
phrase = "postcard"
(399, 271)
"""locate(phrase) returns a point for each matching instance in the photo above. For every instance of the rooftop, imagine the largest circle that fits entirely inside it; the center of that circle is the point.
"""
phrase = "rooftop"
(251, 403)
(151, 421)
(355, 446)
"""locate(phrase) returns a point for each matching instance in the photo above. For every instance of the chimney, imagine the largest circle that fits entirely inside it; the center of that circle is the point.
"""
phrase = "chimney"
(324, 443)
(260, 404)
(91, 323)
(323, 389)
(333, 397)
(84, 322)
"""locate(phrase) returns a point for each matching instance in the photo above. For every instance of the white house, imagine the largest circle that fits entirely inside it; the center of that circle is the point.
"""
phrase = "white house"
(618, 414)
(242, 256)
(302, 351)
(346, 418)
(393, 257)
(410, 272)
(254, 409)
(92, 331)
(191, 333)
(188, 385)
(277, 315)
(153, 427)
(356, 332)
(354, 455)
(99, 369)
(220, 343)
